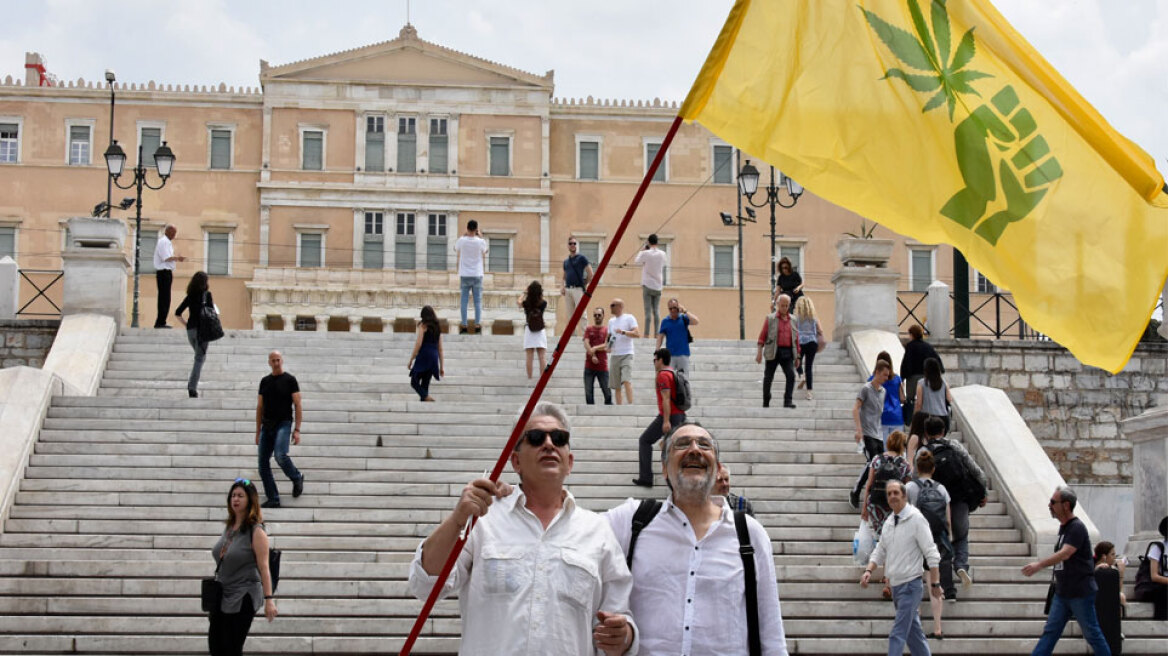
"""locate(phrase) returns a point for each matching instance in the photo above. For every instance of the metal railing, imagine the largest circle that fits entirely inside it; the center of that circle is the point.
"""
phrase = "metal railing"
(991, 315)
(41, 302)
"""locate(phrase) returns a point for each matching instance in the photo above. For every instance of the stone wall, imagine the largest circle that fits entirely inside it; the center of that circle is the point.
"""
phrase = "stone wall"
(1072, 409)
(26, 342)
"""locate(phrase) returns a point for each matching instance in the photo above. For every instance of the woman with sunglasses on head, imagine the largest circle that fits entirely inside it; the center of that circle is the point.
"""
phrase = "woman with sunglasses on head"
(241, 567)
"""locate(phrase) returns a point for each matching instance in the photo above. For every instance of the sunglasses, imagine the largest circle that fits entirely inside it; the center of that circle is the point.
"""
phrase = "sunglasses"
(612, 305)
(536, 437)
(571, 243)
(245, 481)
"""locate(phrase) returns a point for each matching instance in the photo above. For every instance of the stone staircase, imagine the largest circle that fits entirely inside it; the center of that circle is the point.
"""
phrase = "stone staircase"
(124, 496)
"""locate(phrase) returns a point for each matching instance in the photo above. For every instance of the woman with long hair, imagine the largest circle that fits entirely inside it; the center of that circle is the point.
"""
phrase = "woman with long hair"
(198, 296)
(534, 333)
(426, 360)
(1109, 600)
(933, 397)
(789, 282)
(241, 567)
(810, 335)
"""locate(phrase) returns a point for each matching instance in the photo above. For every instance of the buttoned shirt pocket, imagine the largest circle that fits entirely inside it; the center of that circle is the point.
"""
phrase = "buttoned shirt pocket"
(505, 569)
(576, 578)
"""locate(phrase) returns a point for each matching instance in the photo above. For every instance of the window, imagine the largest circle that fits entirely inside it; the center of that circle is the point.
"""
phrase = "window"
(439, 146)
(984, 286)
(500, 155)
(310, 249)
(312, 150)
(374, 145)
(723, 258)
(588, 160)
(9, 142)
(150, 139)
(404, 253)
(590, 250)
(407, 145)
(499, 255)
(218, 258)
(920, 269)
(220, 150)
(7, 242)
(436, 243)
(80, 144)
(795, 254)
(723, 164)
(146, 252)
(373, 247)
(651, 150)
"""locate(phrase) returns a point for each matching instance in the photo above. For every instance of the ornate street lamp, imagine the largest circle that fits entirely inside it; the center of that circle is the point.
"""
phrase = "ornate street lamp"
(748, 186)
(115, 163)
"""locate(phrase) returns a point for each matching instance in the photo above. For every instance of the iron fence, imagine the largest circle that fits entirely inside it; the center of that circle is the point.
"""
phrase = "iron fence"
(991, 315)
(42, 282)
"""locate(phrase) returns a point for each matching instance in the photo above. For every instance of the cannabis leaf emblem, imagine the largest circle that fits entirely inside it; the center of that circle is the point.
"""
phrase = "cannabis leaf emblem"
(929, 51)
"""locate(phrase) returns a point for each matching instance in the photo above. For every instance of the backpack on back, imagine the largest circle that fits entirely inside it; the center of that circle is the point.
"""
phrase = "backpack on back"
(683, 395)
(932, 505)
(950, 469)
(534, 318)
(1145, 586)
(887, 470)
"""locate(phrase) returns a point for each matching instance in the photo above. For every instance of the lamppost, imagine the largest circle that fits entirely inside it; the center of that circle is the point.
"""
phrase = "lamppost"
(110, 78)
(115, 161)
(748, 185)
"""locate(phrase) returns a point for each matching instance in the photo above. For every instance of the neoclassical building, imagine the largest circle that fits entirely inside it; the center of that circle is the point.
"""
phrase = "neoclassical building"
(329, 198)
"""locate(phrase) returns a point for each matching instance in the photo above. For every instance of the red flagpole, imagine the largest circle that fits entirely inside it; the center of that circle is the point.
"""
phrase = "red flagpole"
(565, 337)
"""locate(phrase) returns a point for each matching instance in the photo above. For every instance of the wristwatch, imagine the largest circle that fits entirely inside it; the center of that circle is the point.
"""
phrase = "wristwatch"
(935, 585)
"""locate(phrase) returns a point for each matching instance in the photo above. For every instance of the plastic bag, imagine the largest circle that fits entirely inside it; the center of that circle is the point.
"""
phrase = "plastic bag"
(863, 543)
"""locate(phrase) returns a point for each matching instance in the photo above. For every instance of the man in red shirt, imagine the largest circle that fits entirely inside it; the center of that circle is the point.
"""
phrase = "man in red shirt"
(596, 358)
(779, 342)
(668, 415)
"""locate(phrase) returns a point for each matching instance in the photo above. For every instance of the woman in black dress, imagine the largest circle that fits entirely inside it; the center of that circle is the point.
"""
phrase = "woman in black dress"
(198, 296)
(1109, 600)
(789, 282)
(426, 361)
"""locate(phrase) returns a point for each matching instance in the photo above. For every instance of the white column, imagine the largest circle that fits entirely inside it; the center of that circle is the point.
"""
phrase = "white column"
(544, 241)
(321, 323)
(259, 322)
(354, 323)
(1163, 329)
(9, 288)
(423, 144)
(358, 237)
(265, 229)
(452, 161)
(937, 310)
(387, 324)
(289, 322)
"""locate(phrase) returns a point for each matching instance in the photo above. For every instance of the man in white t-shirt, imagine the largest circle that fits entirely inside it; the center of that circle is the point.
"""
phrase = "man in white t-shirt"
(164, 259)
(622, 330)
(471, 250)
(652, 261)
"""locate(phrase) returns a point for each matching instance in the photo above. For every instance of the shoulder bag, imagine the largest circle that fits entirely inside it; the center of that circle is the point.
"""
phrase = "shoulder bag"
(210, 328)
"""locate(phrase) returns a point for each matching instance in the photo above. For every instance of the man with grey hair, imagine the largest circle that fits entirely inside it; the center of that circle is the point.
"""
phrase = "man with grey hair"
(686, 552)
(164, 259)
(1074, 578)
(778, 342)
(538, 574)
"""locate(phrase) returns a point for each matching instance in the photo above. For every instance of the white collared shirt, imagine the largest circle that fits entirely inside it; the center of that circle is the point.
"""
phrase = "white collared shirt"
(689, 595)
(903, 545)
(526, 590)
(163, 251)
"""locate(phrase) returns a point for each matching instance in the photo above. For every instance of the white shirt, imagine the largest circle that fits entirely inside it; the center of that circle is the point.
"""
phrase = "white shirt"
(525, 590)
(653, 262)
(621, 344)
(163, 251)
(688, 594)
(470, 256)
(904, 544)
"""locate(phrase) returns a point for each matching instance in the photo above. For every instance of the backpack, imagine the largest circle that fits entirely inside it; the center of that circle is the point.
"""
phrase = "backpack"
(682, 394)
(950, 468)
(1145, 586)
(535, 318)
(645, 513)
(889, 469)
(932, 505)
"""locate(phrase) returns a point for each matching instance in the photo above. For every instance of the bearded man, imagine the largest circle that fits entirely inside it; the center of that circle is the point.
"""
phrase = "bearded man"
(703, 575)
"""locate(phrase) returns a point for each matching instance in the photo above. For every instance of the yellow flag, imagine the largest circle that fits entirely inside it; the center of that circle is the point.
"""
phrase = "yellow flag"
(939, 121)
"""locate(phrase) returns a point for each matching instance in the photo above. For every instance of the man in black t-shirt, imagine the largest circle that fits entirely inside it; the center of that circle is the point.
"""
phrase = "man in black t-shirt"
(1074, 579)
(278, 406)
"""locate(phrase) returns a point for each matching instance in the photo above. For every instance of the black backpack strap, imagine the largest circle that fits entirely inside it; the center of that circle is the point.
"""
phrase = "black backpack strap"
(746, 550)
(645, 514)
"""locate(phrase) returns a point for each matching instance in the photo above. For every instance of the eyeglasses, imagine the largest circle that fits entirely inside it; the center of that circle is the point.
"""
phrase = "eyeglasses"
(684, 442)
(536, 437)
(598, 315)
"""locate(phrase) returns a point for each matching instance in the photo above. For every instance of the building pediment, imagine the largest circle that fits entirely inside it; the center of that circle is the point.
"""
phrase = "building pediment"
(405, 60)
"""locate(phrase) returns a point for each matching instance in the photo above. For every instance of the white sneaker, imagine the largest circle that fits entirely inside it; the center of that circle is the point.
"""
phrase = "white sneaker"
(966, 579)
(810, 395)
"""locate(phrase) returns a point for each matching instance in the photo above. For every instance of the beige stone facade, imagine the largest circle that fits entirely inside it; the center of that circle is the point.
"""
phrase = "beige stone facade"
(331, 196)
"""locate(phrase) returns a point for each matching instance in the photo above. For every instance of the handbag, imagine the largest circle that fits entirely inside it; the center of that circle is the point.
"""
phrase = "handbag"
(210, 328)
(212, 592)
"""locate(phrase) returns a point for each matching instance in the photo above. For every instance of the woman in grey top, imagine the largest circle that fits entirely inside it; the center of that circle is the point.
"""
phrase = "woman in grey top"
(933, 397)
(241, 566)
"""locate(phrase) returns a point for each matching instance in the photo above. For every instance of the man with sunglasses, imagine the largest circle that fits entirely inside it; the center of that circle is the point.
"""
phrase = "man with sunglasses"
(538, 575)
(691, 586)
(577, 272)
(1074, 579)
(596, 358)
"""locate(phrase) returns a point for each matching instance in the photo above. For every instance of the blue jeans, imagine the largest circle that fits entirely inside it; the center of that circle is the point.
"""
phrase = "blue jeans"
(467, 285)
(592, 377)
(1061, 609)
(276, 439)
(906, 628)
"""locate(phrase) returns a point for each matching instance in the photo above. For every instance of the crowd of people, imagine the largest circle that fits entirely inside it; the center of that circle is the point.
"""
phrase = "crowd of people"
(915, 495)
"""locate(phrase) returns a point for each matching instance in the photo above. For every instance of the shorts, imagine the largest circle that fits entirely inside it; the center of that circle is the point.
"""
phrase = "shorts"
(620, 370)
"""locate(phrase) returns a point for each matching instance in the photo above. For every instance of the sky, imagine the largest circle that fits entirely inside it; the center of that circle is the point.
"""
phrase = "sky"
(1115, 52)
